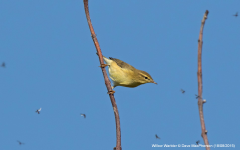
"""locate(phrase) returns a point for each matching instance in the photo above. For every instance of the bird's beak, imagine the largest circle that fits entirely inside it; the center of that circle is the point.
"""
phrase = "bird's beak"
(154, 82)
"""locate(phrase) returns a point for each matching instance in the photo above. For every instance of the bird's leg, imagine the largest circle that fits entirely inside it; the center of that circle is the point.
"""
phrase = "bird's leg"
(111, 92)
(104, 65)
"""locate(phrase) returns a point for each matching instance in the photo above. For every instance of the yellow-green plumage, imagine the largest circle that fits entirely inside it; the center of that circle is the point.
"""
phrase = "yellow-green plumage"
(123, 74)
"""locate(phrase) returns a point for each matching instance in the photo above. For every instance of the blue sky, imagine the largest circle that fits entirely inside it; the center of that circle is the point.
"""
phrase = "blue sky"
(51, 63)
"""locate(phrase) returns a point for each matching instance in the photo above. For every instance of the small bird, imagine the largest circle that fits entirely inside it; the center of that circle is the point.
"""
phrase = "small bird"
(123, 74)
(236, 14)
(38, 110)
(20, 143)
(157, 136)
(84, 115)
(182, 91)
(3, 65)
(198, 142)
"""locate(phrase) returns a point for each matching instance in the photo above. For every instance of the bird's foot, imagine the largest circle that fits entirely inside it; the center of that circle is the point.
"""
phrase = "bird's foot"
(111, 92)
(103, 65)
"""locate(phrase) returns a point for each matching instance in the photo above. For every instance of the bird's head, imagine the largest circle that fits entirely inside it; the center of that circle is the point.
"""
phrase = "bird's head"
(144, 77)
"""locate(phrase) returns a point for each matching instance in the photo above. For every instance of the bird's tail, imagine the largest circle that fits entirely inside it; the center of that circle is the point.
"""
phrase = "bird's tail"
(108, 61)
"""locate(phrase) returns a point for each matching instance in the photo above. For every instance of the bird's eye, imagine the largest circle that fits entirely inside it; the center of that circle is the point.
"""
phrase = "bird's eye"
(146, 77)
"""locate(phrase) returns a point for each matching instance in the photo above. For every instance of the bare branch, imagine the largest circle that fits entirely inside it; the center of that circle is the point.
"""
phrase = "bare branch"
(199, 75)
(106, 79)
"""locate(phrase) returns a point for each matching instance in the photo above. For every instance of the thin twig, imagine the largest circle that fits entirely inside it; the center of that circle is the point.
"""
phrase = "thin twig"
(199, 75)
(107, 82)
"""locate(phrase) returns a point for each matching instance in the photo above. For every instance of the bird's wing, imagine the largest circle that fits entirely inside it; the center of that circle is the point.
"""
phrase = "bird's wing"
(122, 64)
(39, 109)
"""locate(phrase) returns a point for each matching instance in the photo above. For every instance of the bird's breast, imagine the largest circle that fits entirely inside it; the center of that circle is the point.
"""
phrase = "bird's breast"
(122, 76)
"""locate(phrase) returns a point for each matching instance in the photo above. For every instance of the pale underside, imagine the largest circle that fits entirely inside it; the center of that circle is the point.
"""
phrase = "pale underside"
(119, 72)
(120, 77)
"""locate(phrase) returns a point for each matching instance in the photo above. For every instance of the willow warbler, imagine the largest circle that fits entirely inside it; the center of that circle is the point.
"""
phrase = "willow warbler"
(123, 74)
